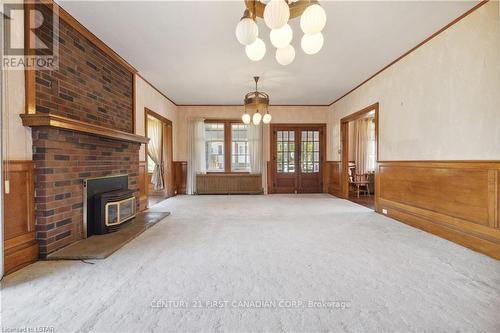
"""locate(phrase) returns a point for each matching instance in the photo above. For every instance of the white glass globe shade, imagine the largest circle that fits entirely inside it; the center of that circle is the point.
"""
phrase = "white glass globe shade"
(281, 37)
(286, 55)
(276, 14)
(247, 31)
(267, 118)
(256, 51)
(256, 118)
(246, 118)
(313, 19)
(311, 44)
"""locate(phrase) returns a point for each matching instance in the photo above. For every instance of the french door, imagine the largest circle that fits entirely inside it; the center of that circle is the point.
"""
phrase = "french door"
(297, 158)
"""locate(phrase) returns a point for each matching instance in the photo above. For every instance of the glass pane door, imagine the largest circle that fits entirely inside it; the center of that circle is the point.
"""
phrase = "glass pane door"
(309, 150)
(285, 152)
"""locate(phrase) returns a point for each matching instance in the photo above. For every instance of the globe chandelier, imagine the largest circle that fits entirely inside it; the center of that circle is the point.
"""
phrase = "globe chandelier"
(276, 14)
(258, 101)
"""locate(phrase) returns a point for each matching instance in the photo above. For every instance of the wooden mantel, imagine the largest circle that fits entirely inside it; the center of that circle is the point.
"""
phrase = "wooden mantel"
(56, 121)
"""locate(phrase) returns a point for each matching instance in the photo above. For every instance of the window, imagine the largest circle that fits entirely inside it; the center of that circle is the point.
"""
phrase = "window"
(214, 147)
(151, 165)
(240, 158)
(372, 147)
(226, 146)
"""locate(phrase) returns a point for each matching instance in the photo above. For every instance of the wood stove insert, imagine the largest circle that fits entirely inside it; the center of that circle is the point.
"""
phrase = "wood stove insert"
(108, 203)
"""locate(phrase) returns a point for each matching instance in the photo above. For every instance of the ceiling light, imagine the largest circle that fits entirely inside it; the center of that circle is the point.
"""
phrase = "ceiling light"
(267, 118)
(276, 14)
(313, 19)
(256, 51)
(286, 55)
(281, 37)
(256, 100)
(311, 44)
(256, 118)
(246, 118)
(247, 30)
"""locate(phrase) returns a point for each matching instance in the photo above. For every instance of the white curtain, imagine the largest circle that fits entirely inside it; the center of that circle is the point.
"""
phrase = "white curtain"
(196, 152)
(155, 129)
(255, 148)
(364, 145)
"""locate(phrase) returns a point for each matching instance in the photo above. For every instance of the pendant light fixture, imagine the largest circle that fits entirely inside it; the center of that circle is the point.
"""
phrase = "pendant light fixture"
(276, 15)
(258, 101)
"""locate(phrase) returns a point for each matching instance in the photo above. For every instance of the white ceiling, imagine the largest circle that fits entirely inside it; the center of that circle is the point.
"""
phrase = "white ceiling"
(189, 51)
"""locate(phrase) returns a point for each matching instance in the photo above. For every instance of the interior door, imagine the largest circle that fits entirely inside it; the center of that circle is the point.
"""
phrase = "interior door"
(310, 160)
(284, 160)
(297, 158)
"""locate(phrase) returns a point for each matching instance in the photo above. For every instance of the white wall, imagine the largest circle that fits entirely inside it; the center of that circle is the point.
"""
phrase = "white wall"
(441, 102)
(147, 97)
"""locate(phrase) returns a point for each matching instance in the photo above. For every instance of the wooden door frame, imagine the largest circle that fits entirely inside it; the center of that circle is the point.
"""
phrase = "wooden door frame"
(272, 149)
(344, 135)
(169, 189)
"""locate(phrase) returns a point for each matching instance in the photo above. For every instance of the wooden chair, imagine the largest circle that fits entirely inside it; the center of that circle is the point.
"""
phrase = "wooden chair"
(359, 183)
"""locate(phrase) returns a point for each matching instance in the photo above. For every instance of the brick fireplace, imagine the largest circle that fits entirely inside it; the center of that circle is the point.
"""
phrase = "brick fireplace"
(62, 160)
(82, 119)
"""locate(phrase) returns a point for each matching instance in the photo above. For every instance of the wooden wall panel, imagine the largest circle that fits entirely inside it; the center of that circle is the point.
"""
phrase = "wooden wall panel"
(332, 178)
(143, 186)
(269, 173)
(228, 183)
(21, 247)
(180, 177)
(455, 200)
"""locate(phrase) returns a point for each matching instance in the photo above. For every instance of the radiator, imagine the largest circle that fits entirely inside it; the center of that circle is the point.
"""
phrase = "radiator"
(229, 183)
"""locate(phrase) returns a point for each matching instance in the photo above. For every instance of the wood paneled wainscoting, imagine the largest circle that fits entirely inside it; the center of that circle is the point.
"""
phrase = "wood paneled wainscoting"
(332, 172)
(458, 201)
(20, 245)
(180, 177)
(143, 185)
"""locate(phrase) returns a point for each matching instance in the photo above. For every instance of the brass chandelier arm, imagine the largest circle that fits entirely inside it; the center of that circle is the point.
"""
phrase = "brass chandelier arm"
(256, 7)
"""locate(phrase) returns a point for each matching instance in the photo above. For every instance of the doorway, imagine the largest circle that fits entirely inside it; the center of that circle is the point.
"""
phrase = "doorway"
(159, 157)
(359, 147)
(297, 156)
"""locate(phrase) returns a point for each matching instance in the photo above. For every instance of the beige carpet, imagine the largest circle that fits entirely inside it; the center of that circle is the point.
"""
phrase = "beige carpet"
(276, 263)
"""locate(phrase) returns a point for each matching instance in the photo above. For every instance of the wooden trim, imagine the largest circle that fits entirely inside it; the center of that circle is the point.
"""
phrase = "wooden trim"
(227, 144)
(56, 121)
(492, 198)
(134, 111)
(21, 247)
(456, 200)
(143, 185)
(169, 190)
(157, 116)
(332, 178)
(458, 19)
(157, 90)
(180, 177)
(344, 134)
(75, 24)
